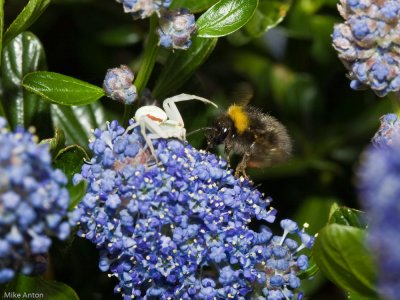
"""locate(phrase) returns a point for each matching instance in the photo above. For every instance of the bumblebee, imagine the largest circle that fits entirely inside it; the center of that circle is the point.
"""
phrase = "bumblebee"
(259, 138)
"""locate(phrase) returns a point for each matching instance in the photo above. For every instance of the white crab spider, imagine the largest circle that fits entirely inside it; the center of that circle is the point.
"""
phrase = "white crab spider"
(167, 123)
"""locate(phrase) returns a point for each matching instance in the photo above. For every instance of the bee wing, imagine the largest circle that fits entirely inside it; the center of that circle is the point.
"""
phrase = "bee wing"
(243, 93)
(273, 145)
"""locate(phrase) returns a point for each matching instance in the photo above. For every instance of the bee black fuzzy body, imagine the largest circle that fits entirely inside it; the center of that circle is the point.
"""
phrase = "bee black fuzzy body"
(244, 130)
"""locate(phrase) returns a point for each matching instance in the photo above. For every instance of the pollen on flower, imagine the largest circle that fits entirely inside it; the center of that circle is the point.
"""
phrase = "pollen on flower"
(161, 223)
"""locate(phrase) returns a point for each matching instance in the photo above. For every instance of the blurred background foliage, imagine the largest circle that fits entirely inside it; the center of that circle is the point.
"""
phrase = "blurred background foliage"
(296, 77)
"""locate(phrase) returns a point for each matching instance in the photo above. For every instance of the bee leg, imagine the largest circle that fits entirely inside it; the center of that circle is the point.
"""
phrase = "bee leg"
(241, 167)
(228, 149)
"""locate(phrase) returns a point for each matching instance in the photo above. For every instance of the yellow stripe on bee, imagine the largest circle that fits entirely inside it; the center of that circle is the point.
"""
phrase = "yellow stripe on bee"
(239, 117)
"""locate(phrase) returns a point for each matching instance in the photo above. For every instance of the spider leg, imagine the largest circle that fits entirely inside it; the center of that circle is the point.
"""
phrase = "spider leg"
(144, 122)
(156, 130)
(129, 128)
(172, 111)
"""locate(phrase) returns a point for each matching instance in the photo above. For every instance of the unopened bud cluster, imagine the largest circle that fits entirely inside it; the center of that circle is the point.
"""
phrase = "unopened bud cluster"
(176, 29)
(368, 43)
(118, 85)
(141, 9)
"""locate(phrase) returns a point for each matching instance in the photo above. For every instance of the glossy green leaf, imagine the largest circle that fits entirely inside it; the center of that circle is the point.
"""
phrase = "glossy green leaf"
(194, 6)
(38, 288)
(22, 55)
(353, 296)
(62, 89)
(1, 31)
(2, 111)
(25, 19)
(77, 121)
(55, 143)
(348, 216)
(268, 14)
(310, 272)
(315, 212)
(76, 193)
(181, 65)
(70, 160)
(342, 256)
(225, 17)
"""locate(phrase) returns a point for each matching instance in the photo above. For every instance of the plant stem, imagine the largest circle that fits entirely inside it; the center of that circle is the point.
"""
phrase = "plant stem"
(146, 66)
(395, 99)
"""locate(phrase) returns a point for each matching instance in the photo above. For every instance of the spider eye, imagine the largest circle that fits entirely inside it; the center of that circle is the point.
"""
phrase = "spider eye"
(225, 130)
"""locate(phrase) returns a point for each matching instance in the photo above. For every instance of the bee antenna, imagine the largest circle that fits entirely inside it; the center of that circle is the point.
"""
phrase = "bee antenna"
(200, 129)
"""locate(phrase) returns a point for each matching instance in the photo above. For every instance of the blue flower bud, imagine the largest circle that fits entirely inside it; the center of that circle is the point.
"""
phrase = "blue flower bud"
(388, 132)
(141, 9)
(119, 87)
(176, 29)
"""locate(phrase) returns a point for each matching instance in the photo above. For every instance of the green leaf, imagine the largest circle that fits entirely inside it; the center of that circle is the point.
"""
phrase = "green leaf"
(348, 216)
(269, 14)
(55, 143)
(36, 287)
(62, 89)
(315, 212)
(194, 6)
(181, 65)
(22, 55)
(70, 160)
(311, 271)
(342, 256)
(77, 121)
(353, 296)
(1, 31)
(225, 17)
(76, 193)
(25, 19)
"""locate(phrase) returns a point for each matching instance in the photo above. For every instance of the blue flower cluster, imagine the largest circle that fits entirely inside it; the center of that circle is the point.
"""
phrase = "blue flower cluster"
(368, 43)
(176, 29)
(33, 203)
(379, 191)
(179, 228)
(389, 131)
(118, 85)
(141, 9)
